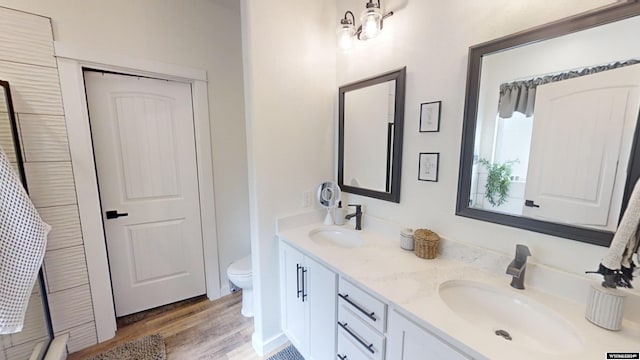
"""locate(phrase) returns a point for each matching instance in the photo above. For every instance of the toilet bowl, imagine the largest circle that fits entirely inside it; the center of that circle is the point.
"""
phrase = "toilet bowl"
(240, 274)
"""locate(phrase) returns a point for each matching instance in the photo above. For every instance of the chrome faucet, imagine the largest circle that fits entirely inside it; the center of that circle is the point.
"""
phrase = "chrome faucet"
(358, 216)
(518, 266)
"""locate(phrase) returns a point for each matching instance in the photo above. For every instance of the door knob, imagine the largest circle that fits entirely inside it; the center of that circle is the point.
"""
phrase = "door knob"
(114, 214)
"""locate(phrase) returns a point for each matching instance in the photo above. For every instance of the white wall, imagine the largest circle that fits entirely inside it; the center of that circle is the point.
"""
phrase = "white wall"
(203, 34)
(289, 63)
(432, 39)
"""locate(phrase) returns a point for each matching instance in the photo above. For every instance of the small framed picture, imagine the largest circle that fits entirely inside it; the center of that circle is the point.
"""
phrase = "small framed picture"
(430, 116)
(428, 164)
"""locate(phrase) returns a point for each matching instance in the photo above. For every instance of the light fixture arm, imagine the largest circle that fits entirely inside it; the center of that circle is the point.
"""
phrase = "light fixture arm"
(346, 20)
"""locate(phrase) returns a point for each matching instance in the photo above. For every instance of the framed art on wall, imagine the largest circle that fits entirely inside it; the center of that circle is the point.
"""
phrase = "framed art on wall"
(430, 116)
(428, 164)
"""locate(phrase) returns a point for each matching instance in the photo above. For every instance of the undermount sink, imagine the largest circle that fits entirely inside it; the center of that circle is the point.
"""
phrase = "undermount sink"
(510, 315)
(336, 236)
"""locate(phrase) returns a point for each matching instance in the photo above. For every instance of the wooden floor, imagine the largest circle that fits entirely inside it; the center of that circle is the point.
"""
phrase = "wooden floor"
(197, 329)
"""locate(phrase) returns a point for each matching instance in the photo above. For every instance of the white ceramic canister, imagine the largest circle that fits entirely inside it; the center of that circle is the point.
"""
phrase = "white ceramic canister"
(406, 239)
(605, 307)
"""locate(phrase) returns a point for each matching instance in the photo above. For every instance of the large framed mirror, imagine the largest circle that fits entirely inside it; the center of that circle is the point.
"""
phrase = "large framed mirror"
(550, 142)
(32, 342)
(371, 122)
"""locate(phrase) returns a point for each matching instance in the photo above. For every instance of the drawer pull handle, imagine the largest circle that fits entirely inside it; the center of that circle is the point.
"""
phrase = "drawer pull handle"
(304, 286)
(370, 315)
(355, 336)
(342, 357)
(298, 291)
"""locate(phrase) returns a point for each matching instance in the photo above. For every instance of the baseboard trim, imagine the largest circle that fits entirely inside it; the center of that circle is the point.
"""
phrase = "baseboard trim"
(58, 348)
(263, 348)
(225, 290)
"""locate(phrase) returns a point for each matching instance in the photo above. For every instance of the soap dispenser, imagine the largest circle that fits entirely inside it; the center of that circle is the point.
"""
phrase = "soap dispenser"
(339, 214)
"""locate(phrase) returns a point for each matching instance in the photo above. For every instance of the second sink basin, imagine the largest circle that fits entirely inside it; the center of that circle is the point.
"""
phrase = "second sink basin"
(510, 315)
(336, 236)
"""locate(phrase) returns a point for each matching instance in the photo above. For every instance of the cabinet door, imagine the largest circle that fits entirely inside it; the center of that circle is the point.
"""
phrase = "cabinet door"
(320, 288)
(408, 341)
(293, 309)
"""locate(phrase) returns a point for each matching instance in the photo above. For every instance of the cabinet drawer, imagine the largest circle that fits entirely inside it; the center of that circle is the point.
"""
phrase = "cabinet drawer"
(359, 334)
(371, 310)
(350, 349)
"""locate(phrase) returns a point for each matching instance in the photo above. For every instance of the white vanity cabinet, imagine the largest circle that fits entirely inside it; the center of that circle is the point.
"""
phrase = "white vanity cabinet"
(308, 304)
(407, 341)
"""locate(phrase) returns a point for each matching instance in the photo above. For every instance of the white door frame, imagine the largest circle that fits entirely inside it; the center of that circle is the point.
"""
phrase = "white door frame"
(71, 62)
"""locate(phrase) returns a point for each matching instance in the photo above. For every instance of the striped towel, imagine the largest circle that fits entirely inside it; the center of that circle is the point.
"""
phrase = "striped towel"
(23, 239)
(617, 266)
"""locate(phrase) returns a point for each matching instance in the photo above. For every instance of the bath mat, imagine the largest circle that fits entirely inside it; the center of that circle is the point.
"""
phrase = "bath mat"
(147, 348)
(288, 353)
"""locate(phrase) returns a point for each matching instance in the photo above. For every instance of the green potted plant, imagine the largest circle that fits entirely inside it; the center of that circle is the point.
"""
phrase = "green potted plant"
(498, 181)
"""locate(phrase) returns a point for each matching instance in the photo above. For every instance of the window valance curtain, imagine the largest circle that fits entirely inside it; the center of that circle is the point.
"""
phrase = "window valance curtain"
(520, 95)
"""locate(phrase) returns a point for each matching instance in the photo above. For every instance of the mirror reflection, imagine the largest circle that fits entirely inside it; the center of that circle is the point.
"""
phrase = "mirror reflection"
(371, 117)
(549, 130)
(33, 340)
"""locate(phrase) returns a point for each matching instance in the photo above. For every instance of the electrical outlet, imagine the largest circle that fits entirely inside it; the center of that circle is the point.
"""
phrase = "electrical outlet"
(306, 199)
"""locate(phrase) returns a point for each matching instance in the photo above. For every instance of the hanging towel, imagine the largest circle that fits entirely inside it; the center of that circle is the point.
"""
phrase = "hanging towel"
(23, 238)
(617, 266)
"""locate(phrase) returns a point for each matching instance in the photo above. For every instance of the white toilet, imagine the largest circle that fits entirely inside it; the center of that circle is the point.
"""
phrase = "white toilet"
(240, 274)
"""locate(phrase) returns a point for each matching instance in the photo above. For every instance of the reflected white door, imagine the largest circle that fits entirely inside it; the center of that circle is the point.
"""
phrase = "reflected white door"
(143, 138)
(582, 134)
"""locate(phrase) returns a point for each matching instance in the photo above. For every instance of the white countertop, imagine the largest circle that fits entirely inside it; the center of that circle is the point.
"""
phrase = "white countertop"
(410, 285)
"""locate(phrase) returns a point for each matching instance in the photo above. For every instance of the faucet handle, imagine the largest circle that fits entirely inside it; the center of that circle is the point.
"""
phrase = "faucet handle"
(522, 251)
(358, 207)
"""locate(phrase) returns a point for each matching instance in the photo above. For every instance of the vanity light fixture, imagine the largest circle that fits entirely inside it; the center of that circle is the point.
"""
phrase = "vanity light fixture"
(371, 20)
(346, 31)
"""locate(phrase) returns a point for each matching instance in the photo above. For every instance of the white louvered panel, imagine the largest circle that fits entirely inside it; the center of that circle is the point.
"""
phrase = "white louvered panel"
(65, 269)
(70, 308)
(81, 337)
(44, 138)
(35, 326)
(5, 342)
(65, 226)
(34, 89)
(14, 165)
(24, 351)
(36, 287)
(6, 137)
(50, 184)
(26, 38)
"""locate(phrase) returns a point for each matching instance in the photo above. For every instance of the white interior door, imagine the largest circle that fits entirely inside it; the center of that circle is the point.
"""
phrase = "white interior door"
(143, 138)
(582, 134)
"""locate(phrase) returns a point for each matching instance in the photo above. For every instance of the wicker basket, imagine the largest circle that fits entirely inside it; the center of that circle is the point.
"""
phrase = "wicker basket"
(425, 243)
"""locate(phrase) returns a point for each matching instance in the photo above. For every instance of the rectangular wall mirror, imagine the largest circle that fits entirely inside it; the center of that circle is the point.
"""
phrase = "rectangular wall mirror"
(371, 121)
(550, 130)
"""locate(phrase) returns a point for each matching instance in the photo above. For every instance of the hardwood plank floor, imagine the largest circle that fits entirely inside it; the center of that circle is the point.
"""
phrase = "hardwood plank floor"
(196, 329)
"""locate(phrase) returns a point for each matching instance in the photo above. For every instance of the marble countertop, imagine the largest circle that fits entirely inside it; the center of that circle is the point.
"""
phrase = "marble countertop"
(410, 285)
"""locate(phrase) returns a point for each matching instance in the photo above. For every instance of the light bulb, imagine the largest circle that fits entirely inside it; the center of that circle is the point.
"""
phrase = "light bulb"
(370, 28)
(371, 22)
(345, 33)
